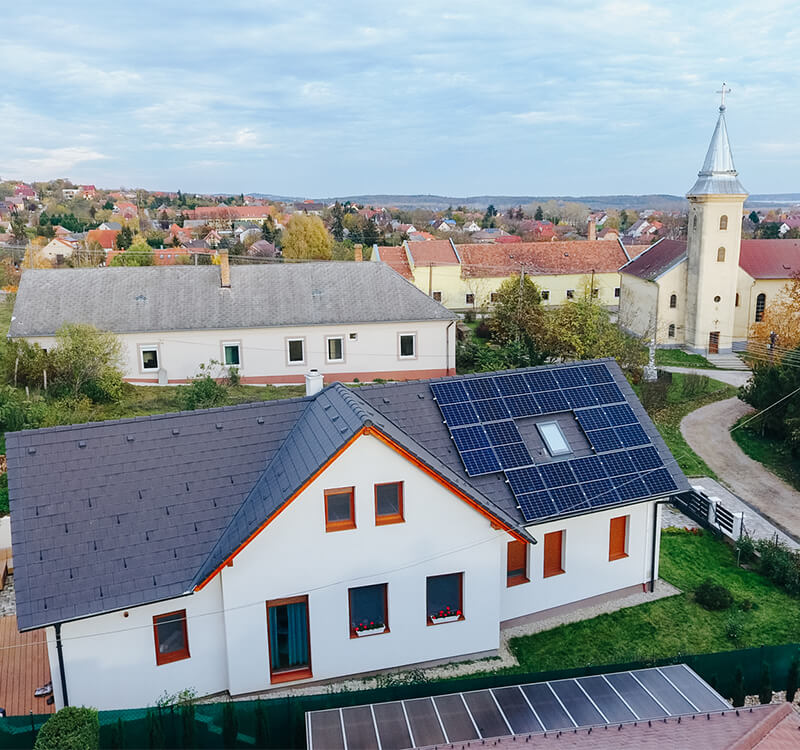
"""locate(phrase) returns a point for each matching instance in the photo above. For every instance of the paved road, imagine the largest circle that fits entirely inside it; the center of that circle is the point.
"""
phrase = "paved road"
(706, 431)
(732, 377)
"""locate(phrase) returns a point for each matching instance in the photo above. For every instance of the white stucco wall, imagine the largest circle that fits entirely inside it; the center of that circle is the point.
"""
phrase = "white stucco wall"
(373, 353)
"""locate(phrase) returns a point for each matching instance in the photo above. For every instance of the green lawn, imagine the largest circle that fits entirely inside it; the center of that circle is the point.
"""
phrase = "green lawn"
(680, 358)
(680, 403)
(773, 454)
(676, 625)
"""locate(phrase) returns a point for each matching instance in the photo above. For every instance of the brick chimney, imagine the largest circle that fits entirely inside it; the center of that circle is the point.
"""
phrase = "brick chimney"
(224, 270)
(592, 231)
(358, 253)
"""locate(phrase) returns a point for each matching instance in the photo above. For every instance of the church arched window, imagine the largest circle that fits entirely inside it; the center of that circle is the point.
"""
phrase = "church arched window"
(723, 222)
(694, 222)
(761, 303)
(671, 331)
(673, 300)
(721, 255)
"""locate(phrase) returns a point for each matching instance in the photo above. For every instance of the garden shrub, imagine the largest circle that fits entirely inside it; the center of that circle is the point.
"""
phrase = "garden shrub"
(694, 384)
(654, 394)
(713, 596)
(71, 728)
(738, 689)
(482, 330)
(203, 393)
(791, 679)
(746, 548)
(734, 626)
(779, 564)
(765, 686)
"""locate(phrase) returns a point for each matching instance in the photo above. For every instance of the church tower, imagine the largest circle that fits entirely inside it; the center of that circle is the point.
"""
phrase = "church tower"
(714, 237)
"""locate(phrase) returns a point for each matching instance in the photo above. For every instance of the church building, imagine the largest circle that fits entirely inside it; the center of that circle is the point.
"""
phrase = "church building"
(704, 293)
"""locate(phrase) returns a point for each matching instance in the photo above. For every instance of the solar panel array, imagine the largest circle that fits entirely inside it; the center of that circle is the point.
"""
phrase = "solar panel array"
(565, 705)
(480, 414)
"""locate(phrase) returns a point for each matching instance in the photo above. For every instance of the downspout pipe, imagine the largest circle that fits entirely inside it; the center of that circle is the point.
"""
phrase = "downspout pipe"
(654, 545)
(447, 346)
(61, 670)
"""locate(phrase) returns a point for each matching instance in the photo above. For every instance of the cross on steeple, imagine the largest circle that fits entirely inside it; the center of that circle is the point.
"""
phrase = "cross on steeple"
(722, 92)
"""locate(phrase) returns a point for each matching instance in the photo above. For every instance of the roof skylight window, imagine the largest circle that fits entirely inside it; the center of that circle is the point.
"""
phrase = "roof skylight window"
(554, 438)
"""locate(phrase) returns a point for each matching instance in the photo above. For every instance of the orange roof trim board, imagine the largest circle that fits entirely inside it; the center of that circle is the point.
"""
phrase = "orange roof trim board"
(374, 431)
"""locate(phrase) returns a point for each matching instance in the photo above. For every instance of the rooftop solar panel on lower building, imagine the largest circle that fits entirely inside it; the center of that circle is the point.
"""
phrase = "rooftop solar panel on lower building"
(524, 480)
(606, 698)
(470, 438)
(457, 415)
(569, 499)
(580, 398)
(604, 440)
(501, 433)
(569, 377)
(513, 455)
(608, 393)
(525, 405)
(449, 392)
(541, 380)
(488, 719)
(549, 708)
(556, 474)
(479, 388)
(512, 385)
(482, 461)
(491, 409)
(632, 435)
(552, 401)
(588, 468)
(392, 725)
(581, 709)
(620, 414)
(596, 374)
(600, 492)
(659, 481)
(592, 419)
(535, 505)
(516, 709)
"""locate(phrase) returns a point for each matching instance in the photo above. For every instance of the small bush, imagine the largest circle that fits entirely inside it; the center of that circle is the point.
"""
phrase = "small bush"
(738, 689)
(469, 316)
(203, 393)
(734, 626)
(791, 679)
(654, 395)
(765, 686)
(779, 564)
(746, 548)
(747, 605)
(713, 596)
(71, 728)
(694, 384)
(482, 330)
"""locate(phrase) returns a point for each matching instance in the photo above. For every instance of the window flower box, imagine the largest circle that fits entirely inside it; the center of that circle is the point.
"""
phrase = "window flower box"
(369, 628)
(446, 615)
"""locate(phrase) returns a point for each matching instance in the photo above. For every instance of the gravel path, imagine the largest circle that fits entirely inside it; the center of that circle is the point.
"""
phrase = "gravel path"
(706, 431)
(731, 377)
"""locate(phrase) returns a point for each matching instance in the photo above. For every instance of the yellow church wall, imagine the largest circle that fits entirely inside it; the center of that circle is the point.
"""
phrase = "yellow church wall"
(748, 290)
(645, 306)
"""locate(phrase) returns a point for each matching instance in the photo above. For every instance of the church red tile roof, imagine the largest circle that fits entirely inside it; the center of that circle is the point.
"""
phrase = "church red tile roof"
(770, 259)
(656, 259)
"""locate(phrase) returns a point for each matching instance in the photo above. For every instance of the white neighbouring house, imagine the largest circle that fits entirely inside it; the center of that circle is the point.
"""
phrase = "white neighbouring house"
(350, 321)
(243, 548)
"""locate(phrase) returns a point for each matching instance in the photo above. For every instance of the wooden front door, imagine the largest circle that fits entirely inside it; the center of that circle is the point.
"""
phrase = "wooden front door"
(713, 342)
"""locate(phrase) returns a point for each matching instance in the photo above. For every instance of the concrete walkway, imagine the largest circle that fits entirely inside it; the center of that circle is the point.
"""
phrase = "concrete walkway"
(706, 431)
(731, 377)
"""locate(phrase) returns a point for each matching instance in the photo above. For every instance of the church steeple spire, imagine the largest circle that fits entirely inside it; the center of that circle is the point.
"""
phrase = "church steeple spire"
(718, 175)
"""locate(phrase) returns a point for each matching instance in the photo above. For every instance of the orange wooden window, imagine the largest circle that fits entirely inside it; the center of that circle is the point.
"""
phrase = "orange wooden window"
(617, 538)
(553, 553)
(388, 503)
(171, 638)
(340, 509)
(516, 563)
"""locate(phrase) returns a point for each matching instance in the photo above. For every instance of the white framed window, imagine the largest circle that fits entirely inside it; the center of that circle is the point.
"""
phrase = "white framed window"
(554, 438)
(407, 345)
(231, 354)
(148, 357)
(296, 351)
(570, 293)
(334, 349)
(545, 294)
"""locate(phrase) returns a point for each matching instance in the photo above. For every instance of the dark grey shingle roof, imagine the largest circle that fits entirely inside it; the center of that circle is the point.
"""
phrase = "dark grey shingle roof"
(190, 298)
(117, 514)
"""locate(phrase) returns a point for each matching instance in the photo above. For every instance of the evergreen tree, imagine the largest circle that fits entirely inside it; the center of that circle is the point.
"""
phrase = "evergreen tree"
(738, 689)
(754, 217)
(371, 233)
(124, 239)
(539, 215)
(791, 680)
(337, 227)
(765, 688)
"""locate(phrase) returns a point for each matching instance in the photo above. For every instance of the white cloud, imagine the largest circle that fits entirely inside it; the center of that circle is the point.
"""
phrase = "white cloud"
(43, 163)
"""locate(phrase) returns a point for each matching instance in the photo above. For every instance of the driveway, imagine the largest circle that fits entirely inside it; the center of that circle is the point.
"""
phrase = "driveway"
(706, 431)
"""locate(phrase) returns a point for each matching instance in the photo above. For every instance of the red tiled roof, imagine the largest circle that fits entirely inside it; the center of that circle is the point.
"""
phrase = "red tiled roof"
(420, 237)
(105, 237)
(229, 212)
(395, 258)
(770, 259)
(541, 257)
(656, 259)
(508, 239)
(434, 252)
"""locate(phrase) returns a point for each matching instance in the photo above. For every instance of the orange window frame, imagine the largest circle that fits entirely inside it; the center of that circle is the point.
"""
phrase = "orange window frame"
(299, 673)
(617, 538)
(385, 608)
(516, 560)
(179, 654)
(349, 523)
(553, 554)
(387, 518)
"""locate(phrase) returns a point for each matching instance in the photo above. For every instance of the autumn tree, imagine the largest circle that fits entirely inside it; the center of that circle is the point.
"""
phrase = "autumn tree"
(306, 238)
(782, 318)
(138, 254)
(18, 222)
(518, 318)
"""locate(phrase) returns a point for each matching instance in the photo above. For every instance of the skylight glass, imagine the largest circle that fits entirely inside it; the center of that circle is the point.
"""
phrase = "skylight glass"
(553, 438)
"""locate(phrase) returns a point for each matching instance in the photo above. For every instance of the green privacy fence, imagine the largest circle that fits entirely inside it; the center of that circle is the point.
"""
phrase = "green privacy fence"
(279, 722)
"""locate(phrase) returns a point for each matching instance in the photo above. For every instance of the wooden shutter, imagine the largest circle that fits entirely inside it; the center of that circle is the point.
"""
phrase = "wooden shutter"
(616, 538)
(553, 553)
(517, 563)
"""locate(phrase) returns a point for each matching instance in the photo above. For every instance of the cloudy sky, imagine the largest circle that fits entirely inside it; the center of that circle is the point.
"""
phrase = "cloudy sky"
(459, 98)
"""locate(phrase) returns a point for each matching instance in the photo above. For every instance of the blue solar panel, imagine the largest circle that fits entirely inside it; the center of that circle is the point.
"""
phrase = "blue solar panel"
(600, 492)
(632, 435)
(630, 487)
(513, 455)
(449, 392)
(620, 414)
(580, 398)
(501, 433)
(569, 377)
(469, 438)
(541, 381)
(569, 498)
(556, 474)
(608, 393)
(512, 385)
(552, 401)
(479, 388)
(459, 414)
(523, 406)
(603, 440)
(491, 409)
(536, 505)
(525, 480)
(659, 481)
(617, 464)
(596, 374)
(645, 458)
(479, 462)
(592, 419)
(588, 468)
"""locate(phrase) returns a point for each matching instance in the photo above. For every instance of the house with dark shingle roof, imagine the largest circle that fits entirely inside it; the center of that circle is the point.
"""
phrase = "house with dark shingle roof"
(350, 531)
(272, 322)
